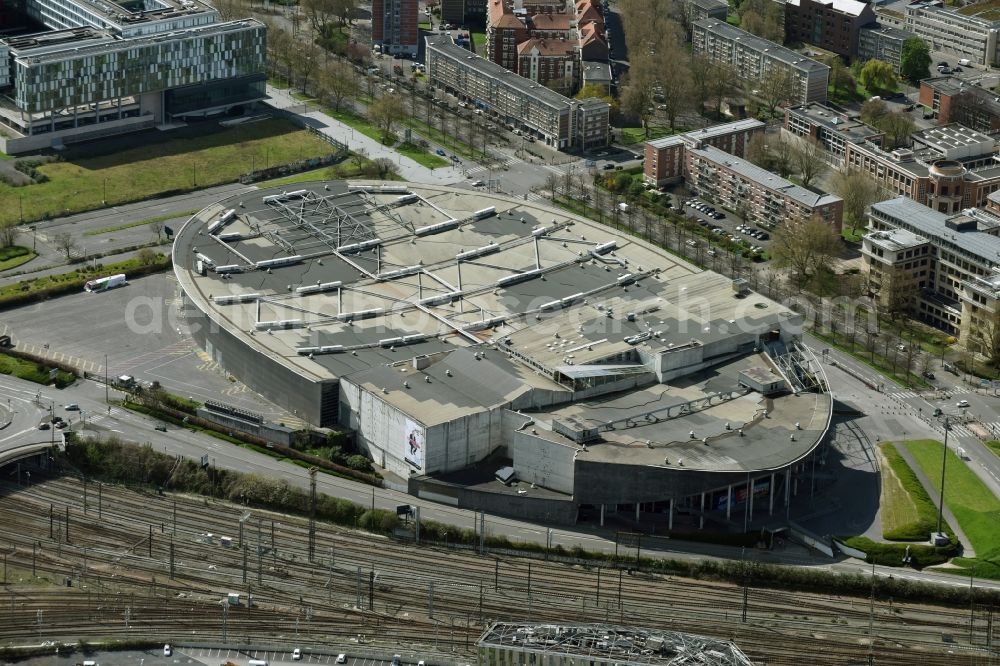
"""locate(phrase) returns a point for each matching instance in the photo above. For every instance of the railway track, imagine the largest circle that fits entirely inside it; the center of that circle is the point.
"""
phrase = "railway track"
(428, 597)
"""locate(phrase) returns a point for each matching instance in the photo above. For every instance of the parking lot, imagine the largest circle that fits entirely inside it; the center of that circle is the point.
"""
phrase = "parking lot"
(722, 224)
(141, 330)
(216, 656)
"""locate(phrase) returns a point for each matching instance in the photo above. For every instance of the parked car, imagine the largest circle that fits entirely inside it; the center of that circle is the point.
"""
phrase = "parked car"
(167, 651)
(341, 658)
(44, 425)
(297, 654)
(928, 374)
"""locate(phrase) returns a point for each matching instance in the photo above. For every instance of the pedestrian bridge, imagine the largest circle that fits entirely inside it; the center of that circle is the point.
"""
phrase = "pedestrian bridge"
(16, 452)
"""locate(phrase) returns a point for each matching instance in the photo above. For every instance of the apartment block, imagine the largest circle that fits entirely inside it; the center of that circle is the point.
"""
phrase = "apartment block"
(754, 57)
(664, 160)
(395, 26)
(108, 69)
(897, 263)
(881, 42)
(955, 268)
(948, 168)
(831, 128)
(544, 114)
(953, 100)
(460, 12)
(759, 196)
(952, 31)
(829, 24)
(547, 42)
(550, 63)
(705, 9)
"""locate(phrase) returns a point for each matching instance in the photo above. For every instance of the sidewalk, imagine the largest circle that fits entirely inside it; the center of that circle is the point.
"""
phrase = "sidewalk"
(356, 141)
(935, 495)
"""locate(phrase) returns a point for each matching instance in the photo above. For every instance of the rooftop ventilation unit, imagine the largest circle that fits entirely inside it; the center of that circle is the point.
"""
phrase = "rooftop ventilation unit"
(235, 298)
(317, 288)
(279, 261)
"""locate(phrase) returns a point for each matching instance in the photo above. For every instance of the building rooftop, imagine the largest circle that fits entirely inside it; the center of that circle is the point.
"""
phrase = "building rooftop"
(772, 181)
(46, 53)
(547, 47)
(935, 226)
(948, 138)
(761, 45)
(708, 132)
(895, 240)
(598, 73)
(888, 30)
(848, 126)
(444, 45)
(626, 646)
(709, 5)
(394, 289)
(851, 7)
(121, 17)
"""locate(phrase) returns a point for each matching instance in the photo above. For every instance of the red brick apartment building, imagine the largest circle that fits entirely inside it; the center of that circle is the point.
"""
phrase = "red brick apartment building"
(829, 24)
(664, 160)
(394, 26)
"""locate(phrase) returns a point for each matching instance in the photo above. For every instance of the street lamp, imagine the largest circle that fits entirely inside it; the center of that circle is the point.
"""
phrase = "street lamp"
(944, 463)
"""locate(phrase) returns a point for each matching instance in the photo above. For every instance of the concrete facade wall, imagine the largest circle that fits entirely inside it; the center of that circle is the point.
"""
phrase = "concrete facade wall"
(550, 510)
(543, 462)
(302, 396)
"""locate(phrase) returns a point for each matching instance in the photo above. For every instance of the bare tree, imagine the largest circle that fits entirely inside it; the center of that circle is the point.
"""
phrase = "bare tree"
(64, 241)
(809, 159)
(8, 233)
(763, 18)
(337, 82)
(859, 191)
(674, 78)
(384, 113)
(775, 87)
(804, 246)
(637, 95)
(157, 227)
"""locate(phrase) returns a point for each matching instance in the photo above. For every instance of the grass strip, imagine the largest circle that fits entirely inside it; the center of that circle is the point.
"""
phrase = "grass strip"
(974, 505)
(139, 223)
(908, 513)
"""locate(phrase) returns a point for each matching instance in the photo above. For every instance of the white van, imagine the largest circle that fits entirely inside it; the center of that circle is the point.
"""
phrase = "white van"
(964, 62)
(257, 662)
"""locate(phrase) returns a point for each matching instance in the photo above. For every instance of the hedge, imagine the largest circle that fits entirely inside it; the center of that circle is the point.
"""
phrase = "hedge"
(29, 291)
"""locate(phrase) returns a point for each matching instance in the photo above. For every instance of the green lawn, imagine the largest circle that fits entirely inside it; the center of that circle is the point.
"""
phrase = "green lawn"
(975, 507)
(356, 122)
(33, 372)
(852, 236)
(632, 135)
(346, 169)
(421, 156)
(139, 223)
(907, 511)
(78, 276)
(166, 162)
(994, 446)
(434, 134)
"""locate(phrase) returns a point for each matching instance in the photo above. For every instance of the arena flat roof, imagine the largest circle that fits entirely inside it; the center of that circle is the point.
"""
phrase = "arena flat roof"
(648, 426)
(404, 287)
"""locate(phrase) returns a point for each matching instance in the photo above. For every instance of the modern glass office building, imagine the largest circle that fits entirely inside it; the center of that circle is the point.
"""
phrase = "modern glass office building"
(108, 69)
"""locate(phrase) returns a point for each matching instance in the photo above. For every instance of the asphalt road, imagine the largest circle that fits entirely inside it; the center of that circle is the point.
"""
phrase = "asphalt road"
(52, 260)
(136, 427)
